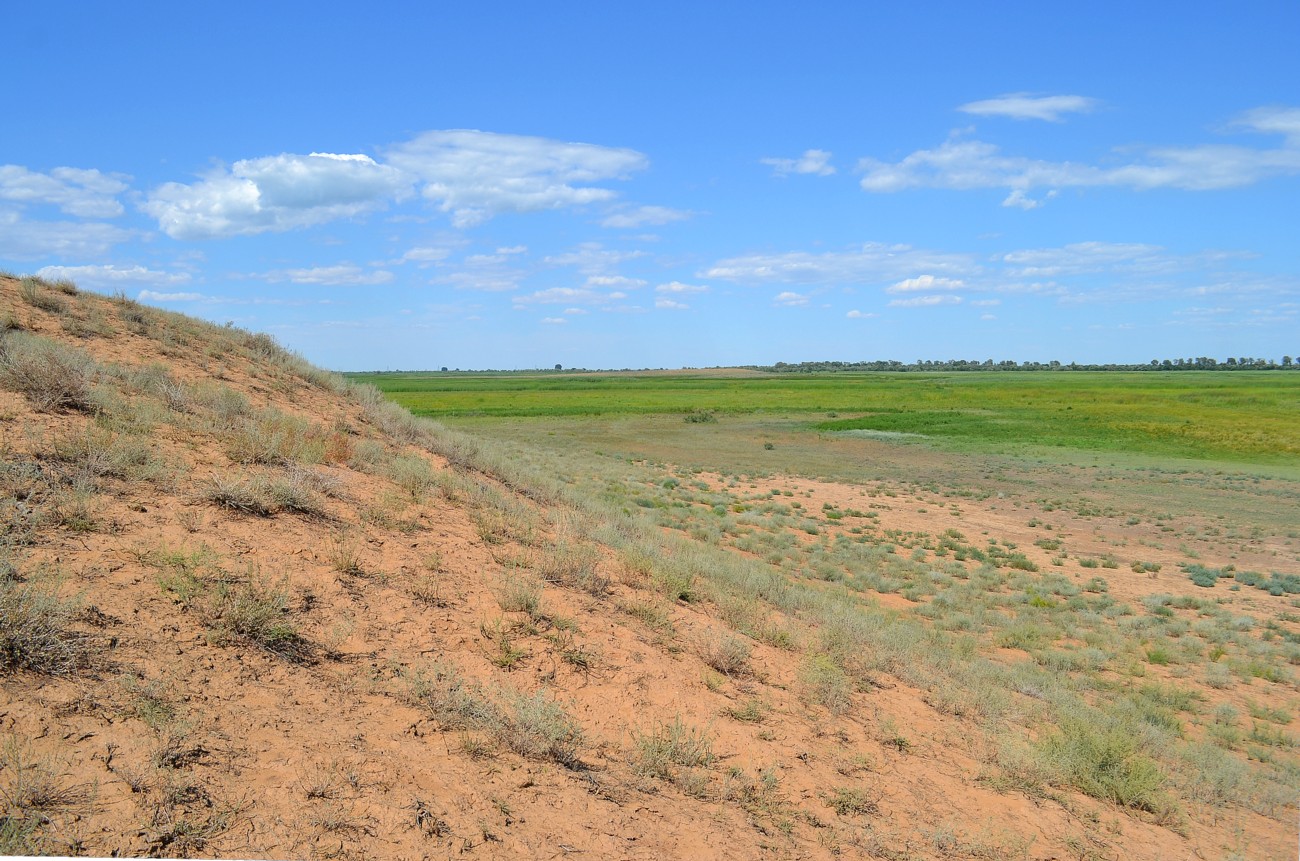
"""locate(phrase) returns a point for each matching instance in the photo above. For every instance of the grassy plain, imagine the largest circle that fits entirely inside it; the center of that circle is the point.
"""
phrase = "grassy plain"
(1235, 416)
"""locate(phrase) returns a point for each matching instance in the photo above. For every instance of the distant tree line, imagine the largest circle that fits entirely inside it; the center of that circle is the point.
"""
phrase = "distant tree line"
(1200, 363)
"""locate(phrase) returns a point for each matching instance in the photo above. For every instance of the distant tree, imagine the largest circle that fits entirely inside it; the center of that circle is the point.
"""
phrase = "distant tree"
(444, 367)
(559, 367)
(1286, 361)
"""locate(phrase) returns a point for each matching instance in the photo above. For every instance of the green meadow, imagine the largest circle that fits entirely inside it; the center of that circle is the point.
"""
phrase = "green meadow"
(1248, 417)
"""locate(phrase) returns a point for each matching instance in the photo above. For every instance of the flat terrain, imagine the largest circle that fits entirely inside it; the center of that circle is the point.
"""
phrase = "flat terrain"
(1235, 415)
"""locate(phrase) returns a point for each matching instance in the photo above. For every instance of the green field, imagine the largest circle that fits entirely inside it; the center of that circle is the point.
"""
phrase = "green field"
(1229, 415)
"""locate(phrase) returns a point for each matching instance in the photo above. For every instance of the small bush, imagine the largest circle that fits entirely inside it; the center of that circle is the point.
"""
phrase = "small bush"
(672, 746)
(1104, 761)
(725, 653)
(520, 595)
(449, 699)
(34, 293)
(850, 801)
(827, 684)
(35, 633)
(50, 375)
(539, 728)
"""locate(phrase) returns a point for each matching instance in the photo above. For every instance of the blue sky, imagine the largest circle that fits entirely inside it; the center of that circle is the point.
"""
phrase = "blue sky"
(605, 185)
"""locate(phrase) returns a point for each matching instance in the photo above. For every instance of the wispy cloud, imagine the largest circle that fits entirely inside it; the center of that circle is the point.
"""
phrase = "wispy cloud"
(155, 296)
(24, 239)
(643, 216)
(926, 301)
(871, 263)
(109, 275)
(971, 164)
(341, 275)
(855, 314)
(1024, 106)
(670, 304)
(678, 287)
(790, 299)
(76, 191)
(814, 162)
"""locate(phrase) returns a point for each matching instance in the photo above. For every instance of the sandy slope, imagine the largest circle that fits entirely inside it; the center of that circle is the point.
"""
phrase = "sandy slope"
(170, 740)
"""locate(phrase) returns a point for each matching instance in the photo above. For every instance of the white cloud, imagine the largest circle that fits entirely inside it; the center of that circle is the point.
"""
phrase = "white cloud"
(971, 164)
(663, 302)
(344, 274)
(790, 299)
(925, 283)
(76, 191)
(591, 258)
(1017, 197)
(425, 255)
(570, 296)
(870, 263)
(554, 321)
(110, 275)
(988, 316)
(926, 301)
(1084, 257)
(640, 216)
(513, 249)
(614, 281)
(496, 280)
(153, 296)
(1279, 120)
(1023, 106)
(474, 175)
(574, 311)
(986, 303)
(21, 239)
(855, 314)
(680, 288)
(812, 162)
(275, 193)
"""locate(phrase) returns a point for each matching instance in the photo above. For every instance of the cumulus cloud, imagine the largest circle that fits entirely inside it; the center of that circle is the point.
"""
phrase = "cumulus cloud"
(474, 175)
(113, 276)
(670, 304)
(870, 263)
(76, 191)
(344, 274)
(23, 239)
(642, 216)
(554, 321)
(971, 164)
(680, 288)
(790, 299)
(926, 301)
(855, 314)
(814, 162)
(1023, 106)
(925, 283)
(275, 193)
